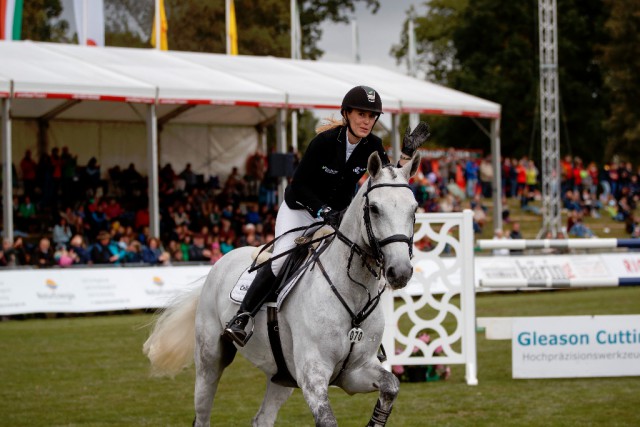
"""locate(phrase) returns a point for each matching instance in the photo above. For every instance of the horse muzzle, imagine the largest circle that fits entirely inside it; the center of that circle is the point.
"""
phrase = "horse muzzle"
(399, 274)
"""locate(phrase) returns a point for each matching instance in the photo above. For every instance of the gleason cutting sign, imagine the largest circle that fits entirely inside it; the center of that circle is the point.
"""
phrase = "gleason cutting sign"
(576, 346)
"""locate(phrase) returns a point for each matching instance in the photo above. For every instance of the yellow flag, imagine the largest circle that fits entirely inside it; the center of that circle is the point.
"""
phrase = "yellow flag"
(164, 45)
(233, 29)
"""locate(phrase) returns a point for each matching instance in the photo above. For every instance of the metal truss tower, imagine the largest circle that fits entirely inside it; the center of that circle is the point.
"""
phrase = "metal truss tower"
(549, 118)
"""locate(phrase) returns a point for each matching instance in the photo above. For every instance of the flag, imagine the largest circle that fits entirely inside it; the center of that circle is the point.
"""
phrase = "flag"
(89, 21)
(10, 19)
(232, 29)
(164, 44)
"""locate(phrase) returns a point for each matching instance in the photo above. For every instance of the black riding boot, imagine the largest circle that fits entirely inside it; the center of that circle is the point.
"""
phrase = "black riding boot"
(253, 299)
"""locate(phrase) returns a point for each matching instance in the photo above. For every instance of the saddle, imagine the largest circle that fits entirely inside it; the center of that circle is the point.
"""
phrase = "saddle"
(296, 263)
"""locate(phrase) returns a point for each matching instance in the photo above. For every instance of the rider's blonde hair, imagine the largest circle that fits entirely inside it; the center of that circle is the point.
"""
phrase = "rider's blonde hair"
(330, 123)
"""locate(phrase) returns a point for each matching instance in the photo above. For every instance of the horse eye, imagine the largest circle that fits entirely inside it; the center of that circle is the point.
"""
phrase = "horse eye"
(374, 209)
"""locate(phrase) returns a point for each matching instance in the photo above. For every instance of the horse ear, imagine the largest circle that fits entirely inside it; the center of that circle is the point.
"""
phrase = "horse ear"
(374, 165)
(410, 168)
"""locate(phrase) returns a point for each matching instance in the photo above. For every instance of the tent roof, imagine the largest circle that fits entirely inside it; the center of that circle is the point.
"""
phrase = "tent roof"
(50, 79)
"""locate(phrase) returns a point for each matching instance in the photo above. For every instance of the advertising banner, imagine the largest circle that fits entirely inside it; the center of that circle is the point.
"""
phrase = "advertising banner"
(575, 346)
(94, 289)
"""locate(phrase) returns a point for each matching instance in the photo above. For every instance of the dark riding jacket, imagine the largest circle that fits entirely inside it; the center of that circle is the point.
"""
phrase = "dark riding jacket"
(324, 178)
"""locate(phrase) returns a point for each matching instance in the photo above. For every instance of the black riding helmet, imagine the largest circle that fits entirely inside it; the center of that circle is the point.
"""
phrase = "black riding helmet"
(361, 98)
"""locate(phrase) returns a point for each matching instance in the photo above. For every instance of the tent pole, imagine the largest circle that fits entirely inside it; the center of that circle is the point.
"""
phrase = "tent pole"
(395, 141)
(497, 174)
(281, 147)
(7, 184)
(152, 167)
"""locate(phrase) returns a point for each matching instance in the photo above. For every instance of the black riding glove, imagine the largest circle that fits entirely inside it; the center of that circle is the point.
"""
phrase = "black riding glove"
(413, 140)
(329, 216)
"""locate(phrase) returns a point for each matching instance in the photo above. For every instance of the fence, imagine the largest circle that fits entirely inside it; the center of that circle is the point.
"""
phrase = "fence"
(560, 270)
(439, 300)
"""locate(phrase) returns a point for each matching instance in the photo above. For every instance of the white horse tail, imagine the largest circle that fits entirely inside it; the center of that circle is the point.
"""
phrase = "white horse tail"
(172, 341)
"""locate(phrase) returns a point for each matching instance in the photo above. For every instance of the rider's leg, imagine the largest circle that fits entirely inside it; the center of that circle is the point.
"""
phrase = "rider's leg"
(253, 299)
(286, 220)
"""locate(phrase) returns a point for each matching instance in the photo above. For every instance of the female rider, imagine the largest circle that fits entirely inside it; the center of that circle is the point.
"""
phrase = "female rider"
(322, 186)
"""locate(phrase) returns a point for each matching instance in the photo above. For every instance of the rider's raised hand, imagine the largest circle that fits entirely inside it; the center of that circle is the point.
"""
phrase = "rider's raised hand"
(413, 140)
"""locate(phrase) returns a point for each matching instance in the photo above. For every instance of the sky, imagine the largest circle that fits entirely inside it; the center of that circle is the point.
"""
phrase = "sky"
(377, 34)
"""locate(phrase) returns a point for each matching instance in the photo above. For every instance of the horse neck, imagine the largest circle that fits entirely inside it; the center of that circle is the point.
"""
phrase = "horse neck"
(339, 253)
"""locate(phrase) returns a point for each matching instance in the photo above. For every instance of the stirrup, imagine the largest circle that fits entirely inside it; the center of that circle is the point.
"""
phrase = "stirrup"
(234, 334)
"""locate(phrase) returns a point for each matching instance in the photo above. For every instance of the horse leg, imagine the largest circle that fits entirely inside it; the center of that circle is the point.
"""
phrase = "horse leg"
(212, 356)
(369, 378)
(314, 384)
(274, 398)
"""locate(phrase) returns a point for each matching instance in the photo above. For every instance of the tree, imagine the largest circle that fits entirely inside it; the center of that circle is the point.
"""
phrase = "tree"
(263, 26)
(621, 57)
(40, 21)
(489, 48)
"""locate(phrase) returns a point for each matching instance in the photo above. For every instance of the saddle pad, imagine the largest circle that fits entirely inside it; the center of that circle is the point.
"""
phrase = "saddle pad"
(291, 283)
(240, 289)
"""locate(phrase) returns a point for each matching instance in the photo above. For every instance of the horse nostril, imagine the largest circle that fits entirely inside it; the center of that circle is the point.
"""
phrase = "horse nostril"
(391, 273)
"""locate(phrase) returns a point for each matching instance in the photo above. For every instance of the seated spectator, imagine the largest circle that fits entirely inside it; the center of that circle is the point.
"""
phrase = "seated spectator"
(63, 257)
(498, 234)
(42, 255)
(113, 210)
(189, 177)
(154, 254)
(22, 256)
(61, 233)
(226, 245)
(580, 229)
(515, 234)
(26, 214)
(7, 254)
(105, 251)
(79, 248)
(198, 251)
(216, 253)
(134, 252)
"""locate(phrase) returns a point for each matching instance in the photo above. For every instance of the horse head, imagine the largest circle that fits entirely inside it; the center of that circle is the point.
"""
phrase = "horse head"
(389, 216)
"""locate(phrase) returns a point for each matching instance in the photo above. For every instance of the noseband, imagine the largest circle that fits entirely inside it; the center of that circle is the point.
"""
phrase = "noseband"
(374, 243)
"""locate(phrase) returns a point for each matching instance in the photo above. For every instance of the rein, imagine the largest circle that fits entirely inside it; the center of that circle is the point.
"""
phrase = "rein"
(357, 318)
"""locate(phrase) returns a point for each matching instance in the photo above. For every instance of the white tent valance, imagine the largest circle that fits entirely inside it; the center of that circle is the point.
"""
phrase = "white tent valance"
(58, 72)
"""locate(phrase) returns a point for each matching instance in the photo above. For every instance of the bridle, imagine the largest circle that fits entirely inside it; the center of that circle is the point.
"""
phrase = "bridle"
(374, 243)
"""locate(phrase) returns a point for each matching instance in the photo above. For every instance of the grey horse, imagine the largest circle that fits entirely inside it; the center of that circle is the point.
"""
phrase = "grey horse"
(330, 324)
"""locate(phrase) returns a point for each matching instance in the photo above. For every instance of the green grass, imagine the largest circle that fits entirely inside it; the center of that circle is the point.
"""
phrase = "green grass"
(90, 371)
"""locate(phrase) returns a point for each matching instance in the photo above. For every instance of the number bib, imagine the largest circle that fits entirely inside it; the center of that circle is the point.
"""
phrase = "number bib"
(356, 334)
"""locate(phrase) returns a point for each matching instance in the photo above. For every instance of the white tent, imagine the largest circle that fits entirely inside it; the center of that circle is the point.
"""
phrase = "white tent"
(53, 82)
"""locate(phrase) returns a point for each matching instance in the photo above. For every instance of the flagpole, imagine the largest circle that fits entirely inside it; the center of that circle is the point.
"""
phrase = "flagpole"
(227, 18)
(84, 22)
(158, 25)
(355, 41)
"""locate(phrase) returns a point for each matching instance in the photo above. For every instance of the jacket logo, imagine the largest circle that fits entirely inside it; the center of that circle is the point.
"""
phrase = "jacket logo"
(358, 170)
(329, 171)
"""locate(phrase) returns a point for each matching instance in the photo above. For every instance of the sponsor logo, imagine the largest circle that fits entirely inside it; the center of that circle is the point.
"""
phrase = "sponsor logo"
(371, 94)
(54, 295)
(358, 170)
(329, 170)
(158, 281)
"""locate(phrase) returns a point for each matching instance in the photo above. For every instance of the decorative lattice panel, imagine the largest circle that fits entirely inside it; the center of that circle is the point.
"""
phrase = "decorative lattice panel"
(432, 320)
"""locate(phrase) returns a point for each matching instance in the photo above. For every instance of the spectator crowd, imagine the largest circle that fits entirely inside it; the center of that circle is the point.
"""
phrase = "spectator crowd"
(68, 214)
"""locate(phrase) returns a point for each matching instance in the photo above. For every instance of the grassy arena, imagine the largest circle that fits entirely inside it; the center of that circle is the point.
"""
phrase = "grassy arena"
(90, 371)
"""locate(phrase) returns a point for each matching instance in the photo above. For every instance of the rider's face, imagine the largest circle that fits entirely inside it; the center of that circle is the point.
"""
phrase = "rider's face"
(361, 122)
